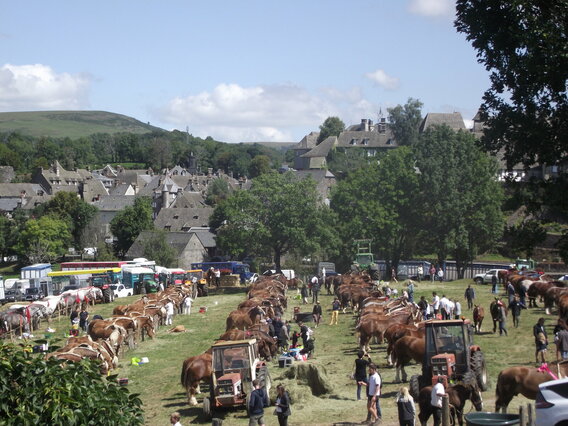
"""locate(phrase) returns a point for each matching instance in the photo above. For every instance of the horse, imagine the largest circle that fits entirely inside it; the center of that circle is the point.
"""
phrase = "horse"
(478, 315)
(494, 309)
(406, 349)
(242, 319)
(457, 397)
(524, 380)
(193, 371)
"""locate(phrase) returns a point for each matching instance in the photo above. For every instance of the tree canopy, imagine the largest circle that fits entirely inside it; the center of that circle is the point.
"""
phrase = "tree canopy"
(404, 121)
(157, 248)
(43, 240)
(280, 214)
(127, 224)
(524, 46)
(332, 126)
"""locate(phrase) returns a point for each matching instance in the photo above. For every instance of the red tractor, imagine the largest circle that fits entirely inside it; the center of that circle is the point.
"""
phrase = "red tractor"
(451, 355)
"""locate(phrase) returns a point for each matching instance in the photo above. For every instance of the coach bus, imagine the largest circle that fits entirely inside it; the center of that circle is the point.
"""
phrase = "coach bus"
(80, 278)
(80, 266)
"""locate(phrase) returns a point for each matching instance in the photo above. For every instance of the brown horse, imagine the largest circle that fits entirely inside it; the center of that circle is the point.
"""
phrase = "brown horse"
(523, 380)
(406, 349)
(478, 315)
(457, 397)
(193, 371)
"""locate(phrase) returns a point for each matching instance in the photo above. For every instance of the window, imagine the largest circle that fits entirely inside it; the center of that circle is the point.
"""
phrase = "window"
(354, 141)
(365, 141)
(389, 141)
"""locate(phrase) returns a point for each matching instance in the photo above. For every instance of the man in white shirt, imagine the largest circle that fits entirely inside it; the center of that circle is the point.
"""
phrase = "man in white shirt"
(187, 305)
(444, 307)
(436, 395)
(457, 309)
(373, 393)
(441, 274)
(435, 303)
(169, 313)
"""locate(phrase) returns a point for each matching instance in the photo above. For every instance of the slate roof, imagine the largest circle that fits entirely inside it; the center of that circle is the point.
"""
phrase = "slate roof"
(9, 204)
(131, 176)
(64, 175)
(16, 189)
(177, 240)
(322, 149)
(179, 219)
(453, 120)
(114, 203)
(36, 200)
(316, 174)
(206, 237)
(370, 139)
(188, 200)
(120, 189)
(308, 142)
(92, 188)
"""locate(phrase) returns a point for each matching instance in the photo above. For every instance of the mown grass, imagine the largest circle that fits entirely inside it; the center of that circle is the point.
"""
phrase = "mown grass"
(158, 381)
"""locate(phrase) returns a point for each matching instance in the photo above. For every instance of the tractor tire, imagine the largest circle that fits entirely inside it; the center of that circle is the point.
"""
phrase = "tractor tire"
(107, 295)
(207, 412)
(248, 403)
(478, 281)
(469, 379)
(479, 370)
(414, 386)
(265, 381)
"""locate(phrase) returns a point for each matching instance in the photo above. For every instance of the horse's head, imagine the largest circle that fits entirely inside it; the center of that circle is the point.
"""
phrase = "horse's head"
(473, 393)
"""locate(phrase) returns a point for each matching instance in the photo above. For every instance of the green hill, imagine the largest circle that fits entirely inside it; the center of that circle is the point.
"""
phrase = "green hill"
(72, 124)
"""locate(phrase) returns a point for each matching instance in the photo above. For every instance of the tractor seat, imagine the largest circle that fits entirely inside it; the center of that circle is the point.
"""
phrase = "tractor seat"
(238, 363)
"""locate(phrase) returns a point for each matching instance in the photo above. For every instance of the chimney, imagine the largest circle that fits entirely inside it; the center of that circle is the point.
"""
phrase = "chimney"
(364, 125)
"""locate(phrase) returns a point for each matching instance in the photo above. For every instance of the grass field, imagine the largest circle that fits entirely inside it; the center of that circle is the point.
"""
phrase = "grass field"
(158, 381)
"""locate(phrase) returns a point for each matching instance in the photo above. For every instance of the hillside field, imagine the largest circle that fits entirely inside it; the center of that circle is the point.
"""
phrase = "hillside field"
(158, 382)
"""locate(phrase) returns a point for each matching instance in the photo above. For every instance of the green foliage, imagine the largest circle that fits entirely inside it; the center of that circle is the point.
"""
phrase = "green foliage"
(332, 126)
(460, 197)
(259, 165)
(341, 161)
(524, 46)
(405, 121)
(280, 214)
(36, 391)
(157, 248)
(67, 206)
(521, 239)
(562, 246)
(127, 225)
(217, 191)
(43, 240)
(378, 202)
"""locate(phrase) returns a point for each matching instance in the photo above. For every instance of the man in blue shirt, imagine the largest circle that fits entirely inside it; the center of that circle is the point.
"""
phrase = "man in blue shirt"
(258, 400)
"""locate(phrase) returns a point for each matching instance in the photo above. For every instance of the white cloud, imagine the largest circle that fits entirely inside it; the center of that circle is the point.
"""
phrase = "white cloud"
(432, 8)
(38, 87)
(384, 80)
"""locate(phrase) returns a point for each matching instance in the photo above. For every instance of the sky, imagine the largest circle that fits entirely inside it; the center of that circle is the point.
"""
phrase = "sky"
(238, 71)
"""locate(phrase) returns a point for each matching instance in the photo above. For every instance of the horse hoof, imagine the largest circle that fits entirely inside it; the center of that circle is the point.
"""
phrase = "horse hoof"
(193, 401)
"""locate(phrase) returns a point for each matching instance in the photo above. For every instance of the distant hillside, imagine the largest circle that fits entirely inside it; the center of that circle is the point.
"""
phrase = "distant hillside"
(72, 124)
(281, 146)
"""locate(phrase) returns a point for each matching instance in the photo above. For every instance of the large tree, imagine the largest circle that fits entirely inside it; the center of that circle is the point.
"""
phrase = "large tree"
(156, 247)
(128, 224)
(278, 215)
(43, 240)
(404, 121)
(332, 126)
(524, 46)
(378, 202)
(460, 197)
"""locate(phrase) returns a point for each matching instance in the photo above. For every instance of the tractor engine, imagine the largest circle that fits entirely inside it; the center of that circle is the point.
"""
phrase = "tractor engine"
(443, 366)
(229, 388)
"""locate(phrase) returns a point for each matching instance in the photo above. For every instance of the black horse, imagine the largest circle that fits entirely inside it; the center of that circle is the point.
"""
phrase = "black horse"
(457, 394)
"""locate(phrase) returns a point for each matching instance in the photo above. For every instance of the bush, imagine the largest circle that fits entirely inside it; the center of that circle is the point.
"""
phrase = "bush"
(36, 391)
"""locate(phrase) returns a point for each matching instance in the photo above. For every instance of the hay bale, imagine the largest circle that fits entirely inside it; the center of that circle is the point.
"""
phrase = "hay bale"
(232, 280)
(313, 375)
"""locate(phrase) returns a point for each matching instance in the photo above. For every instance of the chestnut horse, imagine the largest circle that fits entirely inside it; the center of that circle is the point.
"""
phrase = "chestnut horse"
(457, 397)
(193, 371)
(406, 349)
(524, 380)
(478, 315)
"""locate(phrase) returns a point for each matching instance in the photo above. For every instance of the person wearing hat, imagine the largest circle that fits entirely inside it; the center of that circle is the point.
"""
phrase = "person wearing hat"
(316, 313)
(335, 307)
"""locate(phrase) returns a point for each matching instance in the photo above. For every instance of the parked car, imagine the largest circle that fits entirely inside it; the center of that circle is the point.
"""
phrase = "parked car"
(13, 296)
(33, 294)
(552, 403)
(487, 277)
(120, 290)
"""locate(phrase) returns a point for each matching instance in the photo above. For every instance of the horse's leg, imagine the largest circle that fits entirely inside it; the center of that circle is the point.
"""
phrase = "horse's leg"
(397, 375)
(191, 396)
(404, 375)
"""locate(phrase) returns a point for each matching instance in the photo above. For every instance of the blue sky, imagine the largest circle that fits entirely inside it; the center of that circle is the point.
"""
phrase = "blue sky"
(237, 70)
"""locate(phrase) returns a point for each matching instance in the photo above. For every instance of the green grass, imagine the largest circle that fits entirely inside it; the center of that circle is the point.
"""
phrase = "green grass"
(72, 124)
(158, 381)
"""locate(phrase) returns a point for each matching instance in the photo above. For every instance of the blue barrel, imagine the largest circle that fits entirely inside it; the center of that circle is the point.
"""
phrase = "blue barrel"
(496, 419)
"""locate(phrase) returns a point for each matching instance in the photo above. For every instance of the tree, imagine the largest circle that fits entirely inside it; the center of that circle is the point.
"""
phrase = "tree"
(259, 165)
(157, 248)
(524, 46)
(524, 237)
(43, 240)
(127, 225)
(332, 126)
(378, 202)
(56, 392)
(280, 214)
(217, 191)
(405, 121)
(70, 208)
(562, 246)
(460, 197)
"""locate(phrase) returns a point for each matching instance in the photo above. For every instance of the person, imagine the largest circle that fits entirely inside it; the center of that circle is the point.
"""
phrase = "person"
(304, 333)
(258, 400)
(277, 324)
(373, 393)
(419, 273)
(406, 409)
(304, 293)
(335, 307)
(457, 309)
(522, 294)
(282, 405)
(217, 277)
(175, 418)
(360, 372)
(169, 312)
(316, 313)
(435, 303)
(502, 318)
(510, 291)
(74, 317)
(494, 284)
(410, 291)
(424, 307)
(83, 319)
(393, 274)
(432, 272)
(315, 289)
(469, 296)
(283, 337)
(187, 305)
(445, 307)
(561, 340)
(515, 307)
(438, 391)
(541, 340)
(295, 337)
(440, 274)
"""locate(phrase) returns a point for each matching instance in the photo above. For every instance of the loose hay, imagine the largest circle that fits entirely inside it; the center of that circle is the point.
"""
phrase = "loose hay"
(312, 375)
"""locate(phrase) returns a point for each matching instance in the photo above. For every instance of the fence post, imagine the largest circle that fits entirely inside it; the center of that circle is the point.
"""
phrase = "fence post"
(530, 416)
(445, 411)
(523, 415)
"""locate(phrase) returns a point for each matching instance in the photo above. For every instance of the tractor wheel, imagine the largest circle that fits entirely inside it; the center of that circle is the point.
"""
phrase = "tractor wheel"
(479, 370)
(265, 381)
(479, 281)
(207, 408)
(469, 379)
(414, 386)
(248, 403)
(107, 295)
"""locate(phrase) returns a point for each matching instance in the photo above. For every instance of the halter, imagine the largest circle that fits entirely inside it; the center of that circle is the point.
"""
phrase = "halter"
(544, 369)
